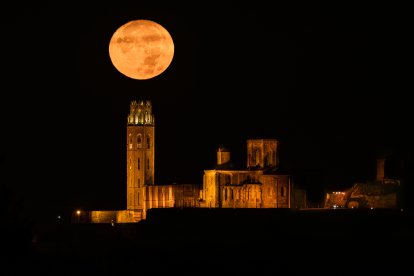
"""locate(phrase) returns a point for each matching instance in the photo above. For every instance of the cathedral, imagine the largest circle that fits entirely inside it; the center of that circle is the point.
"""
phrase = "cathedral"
(260, 185)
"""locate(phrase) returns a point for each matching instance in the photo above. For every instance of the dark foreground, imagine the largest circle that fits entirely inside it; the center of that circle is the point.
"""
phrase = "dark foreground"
(225, 241)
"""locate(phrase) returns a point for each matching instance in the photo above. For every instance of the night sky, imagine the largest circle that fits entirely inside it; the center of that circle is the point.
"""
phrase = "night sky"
(326, 81)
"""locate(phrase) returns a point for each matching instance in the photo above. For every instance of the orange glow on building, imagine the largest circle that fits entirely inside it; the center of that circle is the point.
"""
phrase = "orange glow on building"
(261, 185)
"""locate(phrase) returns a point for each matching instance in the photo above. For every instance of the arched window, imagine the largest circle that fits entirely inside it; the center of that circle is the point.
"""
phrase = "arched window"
(257, 157)
(269, 158)
(139, 140)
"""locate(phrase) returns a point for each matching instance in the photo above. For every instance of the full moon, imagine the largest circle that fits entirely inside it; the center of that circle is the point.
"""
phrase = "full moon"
(141, 49)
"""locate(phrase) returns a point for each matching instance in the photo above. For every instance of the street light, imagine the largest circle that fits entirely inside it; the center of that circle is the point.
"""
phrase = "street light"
(78, 212)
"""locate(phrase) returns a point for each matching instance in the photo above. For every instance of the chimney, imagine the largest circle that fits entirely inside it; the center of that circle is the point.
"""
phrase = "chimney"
(380, 169)
(223, 155)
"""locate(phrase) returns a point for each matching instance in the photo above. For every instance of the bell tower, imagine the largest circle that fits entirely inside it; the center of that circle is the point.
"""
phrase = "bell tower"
(140, 153)
(262, 153)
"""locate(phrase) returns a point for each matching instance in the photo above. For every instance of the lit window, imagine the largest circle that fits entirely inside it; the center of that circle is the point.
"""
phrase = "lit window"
(139, 140)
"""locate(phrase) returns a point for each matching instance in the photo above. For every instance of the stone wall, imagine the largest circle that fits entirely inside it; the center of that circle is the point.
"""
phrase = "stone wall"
(118, 216)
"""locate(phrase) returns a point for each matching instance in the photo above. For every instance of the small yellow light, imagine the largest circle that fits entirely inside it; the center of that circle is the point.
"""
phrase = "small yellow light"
(78, 212)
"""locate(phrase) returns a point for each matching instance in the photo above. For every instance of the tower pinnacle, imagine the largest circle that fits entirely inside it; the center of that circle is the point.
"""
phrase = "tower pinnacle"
(140, 113)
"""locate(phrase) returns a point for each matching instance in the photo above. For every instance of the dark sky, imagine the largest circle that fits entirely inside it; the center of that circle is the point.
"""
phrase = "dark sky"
(326, 81)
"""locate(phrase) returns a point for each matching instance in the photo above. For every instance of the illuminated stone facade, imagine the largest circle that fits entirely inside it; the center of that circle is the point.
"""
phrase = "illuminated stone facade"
(142, 193)
(260, 185)
(140, 155)
(262, 153)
